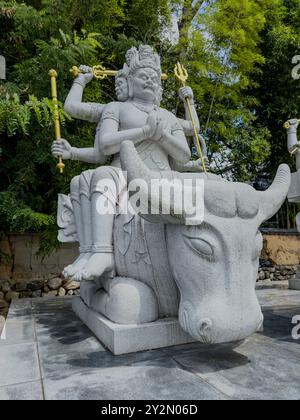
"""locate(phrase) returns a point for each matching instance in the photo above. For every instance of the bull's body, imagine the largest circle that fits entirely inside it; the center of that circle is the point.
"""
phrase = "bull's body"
(203, 274)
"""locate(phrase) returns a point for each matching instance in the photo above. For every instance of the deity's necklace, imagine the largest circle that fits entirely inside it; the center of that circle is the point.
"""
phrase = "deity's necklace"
(144, 108)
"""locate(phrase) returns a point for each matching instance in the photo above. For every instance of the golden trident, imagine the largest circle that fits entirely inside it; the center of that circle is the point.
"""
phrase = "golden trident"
(102, 73)
(53, 77)
(182, 75)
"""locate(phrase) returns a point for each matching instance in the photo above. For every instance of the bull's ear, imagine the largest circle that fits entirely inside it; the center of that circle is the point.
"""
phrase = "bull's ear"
(272, 199)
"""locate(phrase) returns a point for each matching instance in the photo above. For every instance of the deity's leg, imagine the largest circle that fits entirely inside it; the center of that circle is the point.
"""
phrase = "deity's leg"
(104, 196)
(75, 198)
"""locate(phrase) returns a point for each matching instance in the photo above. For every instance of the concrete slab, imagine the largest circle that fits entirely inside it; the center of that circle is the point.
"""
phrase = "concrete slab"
(17, 332)
(276, 298)
(18, 364)
(152, 382)
(294, 284)
(65, 360)
(123, 339)
(255, 370)
(29, 391)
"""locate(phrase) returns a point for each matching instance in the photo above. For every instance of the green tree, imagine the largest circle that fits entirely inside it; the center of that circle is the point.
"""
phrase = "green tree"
(237, 52)
(277, 93)
(36, 36)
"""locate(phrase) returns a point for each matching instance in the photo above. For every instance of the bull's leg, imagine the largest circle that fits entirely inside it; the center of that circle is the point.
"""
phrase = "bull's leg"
(103, 200)
(126, 301)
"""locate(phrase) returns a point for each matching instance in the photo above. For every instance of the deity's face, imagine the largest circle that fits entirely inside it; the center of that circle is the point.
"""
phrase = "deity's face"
(122, 89)
(145, 84)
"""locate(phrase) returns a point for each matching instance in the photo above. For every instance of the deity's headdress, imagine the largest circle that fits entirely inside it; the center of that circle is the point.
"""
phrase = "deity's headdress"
(144, 57)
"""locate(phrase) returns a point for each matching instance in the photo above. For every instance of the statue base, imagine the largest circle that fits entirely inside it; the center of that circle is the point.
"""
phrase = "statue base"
(124, 339)
(294, 284)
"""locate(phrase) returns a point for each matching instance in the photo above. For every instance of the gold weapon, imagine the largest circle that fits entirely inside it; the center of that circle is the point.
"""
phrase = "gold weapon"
(53, 77)
(182, 75)
(102, 73)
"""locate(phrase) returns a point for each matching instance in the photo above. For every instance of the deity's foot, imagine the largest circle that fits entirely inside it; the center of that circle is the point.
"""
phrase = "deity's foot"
(77, 266)
(98, 265)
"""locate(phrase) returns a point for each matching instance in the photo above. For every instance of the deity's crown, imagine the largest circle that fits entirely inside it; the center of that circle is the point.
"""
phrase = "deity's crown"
(142, 58)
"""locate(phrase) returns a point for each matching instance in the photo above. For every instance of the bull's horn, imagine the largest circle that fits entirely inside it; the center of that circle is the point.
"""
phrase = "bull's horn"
(272, 199)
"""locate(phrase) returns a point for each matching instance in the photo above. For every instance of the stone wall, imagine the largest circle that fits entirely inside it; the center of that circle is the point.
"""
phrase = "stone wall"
(20, 262)
(281, 247)
(24, 275)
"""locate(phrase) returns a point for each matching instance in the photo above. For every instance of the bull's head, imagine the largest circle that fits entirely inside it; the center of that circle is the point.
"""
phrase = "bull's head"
(215, 264)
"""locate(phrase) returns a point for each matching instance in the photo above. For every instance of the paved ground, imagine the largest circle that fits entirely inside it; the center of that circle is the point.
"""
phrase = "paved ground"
(49, 354)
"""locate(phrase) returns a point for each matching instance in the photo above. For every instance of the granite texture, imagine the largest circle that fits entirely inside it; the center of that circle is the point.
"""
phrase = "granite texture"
(50, 354)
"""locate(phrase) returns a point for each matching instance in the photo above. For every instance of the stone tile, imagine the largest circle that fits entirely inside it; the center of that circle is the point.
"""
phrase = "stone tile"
(18, 364)
(278, 298)
(30, 391)
(17, 332)
(150, 382)
(61, 365)
(258, 369)
(20, 310)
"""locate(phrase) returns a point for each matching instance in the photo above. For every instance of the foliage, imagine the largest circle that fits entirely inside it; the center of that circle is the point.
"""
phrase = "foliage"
(237, 52)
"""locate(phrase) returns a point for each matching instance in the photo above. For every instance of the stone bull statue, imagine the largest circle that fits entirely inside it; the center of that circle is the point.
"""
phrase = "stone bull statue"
(151, 280)
(203, 274)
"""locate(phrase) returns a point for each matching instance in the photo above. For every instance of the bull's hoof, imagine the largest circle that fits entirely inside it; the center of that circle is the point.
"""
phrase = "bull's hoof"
(126, 301)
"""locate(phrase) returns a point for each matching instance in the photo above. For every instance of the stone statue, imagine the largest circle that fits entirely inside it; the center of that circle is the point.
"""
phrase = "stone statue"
(81, 193)
(294, 192)
(294, 148)
(153, 280)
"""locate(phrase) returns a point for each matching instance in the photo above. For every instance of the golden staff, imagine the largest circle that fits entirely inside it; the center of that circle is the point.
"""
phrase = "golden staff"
(182, 75)
(53, 76)
(102, 73)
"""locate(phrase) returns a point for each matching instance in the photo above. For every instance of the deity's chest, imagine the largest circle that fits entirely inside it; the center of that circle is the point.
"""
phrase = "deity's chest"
(150, 152)
(132, 118)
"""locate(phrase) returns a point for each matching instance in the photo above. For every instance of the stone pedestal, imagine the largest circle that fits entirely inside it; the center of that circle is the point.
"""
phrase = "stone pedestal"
(123, 339)
(294, 283)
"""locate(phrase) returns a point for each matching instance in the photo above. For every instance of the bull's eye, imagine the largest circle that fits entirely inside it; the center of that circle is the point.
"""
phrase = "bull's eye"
(201, 246)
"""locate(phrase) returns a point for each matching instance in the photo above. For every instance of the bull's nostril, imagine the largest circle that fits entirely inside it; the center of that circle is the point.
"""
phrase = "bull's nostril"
(205, 329)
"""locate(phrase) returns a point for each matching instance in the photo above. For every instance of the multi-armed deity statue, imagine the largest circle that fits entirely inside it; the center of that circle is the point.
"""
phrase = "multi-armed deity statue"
(153, 280)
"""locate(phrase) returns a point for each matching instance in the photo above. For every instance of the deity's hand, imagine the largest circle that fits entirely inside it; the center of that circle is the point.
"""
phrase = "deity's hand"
(151, 125)
(293, 123)
(186, 93)
(198, 167)
(86, 74)
(62, 148)
(163, 128)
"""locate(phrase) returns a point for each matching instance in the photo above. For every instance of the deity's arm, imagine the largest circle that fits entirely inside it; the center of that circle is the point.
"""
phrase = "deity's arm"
(80, 110)
(187, 124)
(85, 155)
(176, 145)
(110, 136)
(292, 142)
